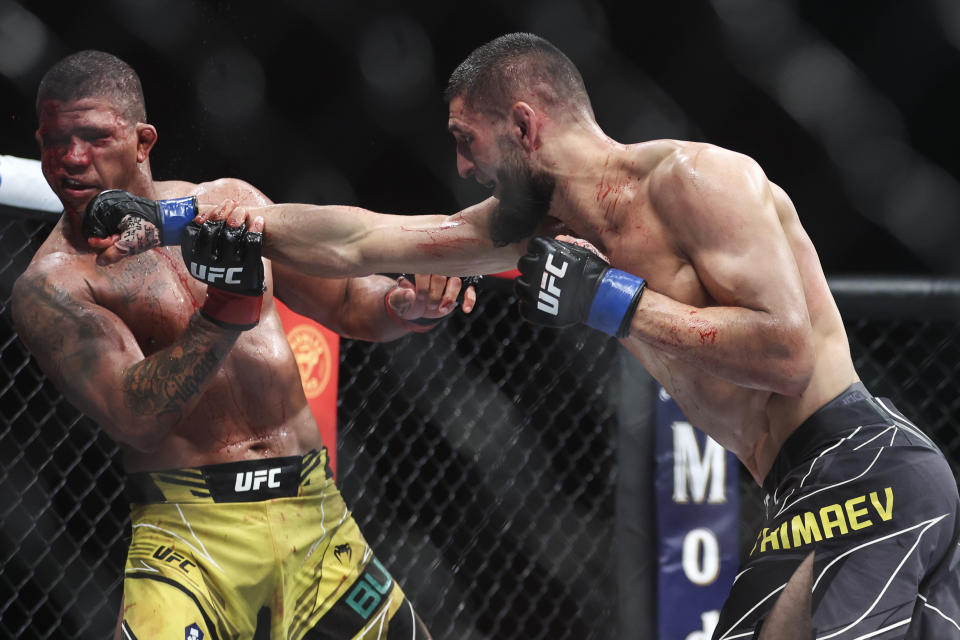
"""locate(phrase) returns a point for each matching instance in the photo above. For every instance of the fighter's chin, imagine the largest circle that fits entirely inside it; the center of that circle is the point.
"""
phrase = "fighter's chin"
(76, 200)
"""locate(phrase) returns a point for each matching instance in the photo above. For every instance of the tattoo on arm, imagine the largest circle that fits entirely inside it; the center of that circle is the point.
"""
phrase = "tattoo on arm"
(163, 385)
(167, 381)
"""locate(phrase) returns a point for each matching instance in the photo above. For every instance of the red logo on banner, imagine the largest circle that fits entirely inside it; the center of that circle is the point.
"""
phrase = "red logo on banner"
(317, 350)
(313, 358)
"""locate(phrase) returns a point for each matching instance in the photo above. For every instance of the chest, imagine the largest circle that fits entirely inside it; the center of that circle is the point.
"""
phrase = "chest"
(153, 294)
(644, 246)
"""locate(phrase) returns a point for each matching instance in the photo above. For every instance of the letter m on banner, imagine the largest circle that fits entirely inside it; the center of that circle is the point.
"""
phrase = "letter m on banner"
(694, 474)
(697, 525)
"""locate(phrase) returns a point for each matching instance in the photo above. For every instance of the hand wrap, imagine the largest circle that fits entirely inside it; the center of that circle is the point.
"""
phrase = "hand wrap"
(562, 284)
(105, 212)
(228, 260)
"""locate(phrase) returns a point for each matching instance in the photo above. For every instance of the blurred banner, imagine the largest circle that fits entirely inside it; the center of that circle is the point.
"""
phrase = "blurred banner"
(317, 350)
(22, 185)
(697, 521)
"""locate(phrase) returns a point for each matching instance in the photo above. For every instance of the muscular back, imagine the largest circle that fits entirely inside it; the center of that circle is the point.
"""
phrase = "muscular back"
(86, 324)
(707, 230)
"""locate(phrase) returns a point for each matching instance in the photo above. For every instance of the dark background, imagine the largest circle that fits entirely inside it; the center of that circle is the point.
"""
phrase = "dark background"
(850, 106)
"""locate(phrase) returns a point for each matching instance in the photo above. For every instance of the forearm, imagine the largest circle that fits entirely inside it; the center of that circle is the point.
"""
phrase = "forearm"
(161, 389)
(336, 241)
(749, 348)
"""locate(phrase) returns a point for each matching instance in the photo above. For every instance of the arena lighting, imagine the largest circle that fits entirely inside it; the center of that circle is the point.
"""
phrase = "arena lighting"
(231, 85)
(23, 40)
(827, 94)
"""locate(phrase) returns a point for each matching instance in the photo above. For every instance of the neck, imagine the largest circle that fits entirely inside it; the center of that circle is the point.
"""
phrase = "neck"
(589, 170)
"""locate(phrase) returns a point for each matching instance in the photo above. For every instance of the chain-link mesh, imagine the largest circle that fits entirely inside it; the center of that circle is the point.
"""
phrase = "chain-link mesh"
(479, 460)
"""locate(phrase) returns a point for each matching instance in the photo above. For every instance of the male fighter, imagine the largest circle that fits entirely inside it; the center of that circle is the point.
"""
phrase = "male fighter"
(704, 272)
(238, 528)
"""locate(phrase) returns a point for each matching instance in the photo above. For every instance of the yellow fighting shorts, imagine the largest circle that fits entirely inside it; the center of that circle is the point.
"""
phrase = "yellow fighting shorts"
(255, 549)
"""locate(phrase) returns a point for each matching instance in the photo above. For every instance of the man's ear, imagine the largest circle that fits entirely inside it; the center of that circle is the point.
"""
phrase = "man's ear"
(146, 138)
(525, 126)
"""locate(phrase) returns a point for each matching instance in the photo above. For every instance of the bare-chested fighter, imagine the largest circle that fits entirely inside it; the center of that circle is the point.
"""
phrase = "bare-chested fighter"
(238, 528)
(706, 275)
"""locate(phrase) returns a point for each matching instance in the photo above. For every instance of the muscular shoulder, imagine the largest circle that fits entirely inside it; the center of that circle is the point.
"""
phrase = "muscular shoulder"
(54, 279)
(694, 167)
(696, 175)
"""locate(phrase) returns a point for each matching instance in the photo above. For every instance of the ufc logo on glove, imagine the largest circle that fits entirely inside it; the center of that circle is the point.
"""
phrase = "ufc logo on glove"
(593, 293)
(213, 274)
(549, 298)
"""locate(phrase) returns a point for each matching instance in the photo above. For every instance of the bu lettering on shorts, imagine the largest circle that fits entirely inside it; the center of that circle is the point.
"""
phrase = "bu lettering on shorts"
(214, 274)
(253, 480)
(369, 590)
(549, 299)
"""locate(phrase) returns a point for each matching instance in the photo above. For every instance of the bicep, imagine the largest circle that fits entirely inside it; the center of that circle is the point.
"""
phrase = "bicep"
(82, 347)
(730, 231)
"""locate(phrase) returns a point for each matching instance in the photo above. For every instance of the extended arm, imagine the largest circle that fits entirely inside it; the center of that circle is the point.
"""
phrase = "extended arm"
(335, 241)
(358, 307)
(94, 360)
(328, 241)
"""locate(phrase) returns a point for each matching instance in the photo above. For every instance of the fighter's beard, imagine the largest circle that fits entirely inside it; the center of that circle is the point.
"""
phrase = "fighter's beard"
(524, 202)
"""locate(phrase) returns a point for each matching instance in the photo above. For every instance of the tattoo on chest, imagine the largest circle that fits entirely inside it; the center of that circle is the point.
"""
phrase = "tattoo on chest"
(133, 288)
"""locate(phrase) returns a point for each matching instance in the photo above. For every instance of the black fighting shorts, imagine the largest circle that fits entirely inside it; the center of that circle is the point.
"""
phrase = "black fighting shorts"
(862, 487)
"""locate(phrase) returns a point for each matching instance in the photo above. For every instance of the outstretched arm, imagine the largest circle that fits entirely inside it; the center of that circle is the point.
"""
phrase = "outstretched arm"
(328, 241)
(374, 308)
(335, 241)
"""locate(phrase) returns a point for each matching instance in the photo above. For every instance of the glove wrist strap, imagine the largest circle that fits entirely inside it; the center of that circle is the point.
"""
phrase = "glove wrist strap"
(175, 215)
(614, 303)
(419, 325)
(231, 310)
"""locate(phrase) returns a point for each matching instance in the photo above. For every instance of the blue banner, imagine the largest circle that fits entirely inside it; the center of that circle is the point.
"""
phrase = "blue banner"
(697, 525)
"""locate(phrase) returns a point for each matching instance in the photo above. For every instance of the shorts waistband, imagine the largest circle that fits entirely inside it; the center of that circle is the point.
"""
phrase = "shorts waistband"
(853, 408)
(243, 481)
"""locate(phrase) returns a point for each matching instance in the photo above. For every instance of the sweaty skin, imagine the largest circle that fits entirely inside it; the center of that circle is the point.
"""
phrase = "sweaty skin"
(123, 342)
(737, 321)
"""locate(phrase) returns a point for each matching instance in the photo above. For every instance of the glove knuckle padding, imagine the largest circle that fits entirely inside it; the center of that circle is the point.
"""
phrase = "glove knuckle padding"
(207, 242)
(226, 258)
(563, 284)
(104, 212)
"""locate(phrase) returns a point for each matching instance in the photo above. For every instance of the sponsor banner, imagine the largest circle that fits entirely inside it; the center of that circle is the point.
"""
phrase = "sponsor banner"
(697, 525)
(317, 350)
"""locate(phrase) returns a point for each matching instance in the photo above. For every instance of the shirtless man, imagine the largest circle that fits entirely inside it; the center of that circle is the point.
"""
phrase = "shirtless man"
(238, 528)
(718, 291)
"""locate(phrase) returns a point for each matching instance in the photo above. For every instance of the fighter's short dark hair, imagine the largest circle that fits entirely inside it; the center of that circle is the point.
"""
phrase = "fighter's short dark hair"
(517, 66)
(90, 73)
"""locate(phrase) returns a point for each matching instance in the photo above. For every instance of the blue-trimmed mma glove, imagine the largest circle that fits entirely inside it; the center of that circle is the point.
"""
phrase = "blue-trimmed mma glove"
(228, 260)
(561, 284)
(105, 214)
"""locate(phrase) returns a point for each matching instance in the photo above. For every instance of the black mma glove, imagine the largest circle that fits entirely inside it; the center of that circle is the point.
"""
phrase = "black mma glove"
(562, 284)
(108, 208)
(228, 260)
